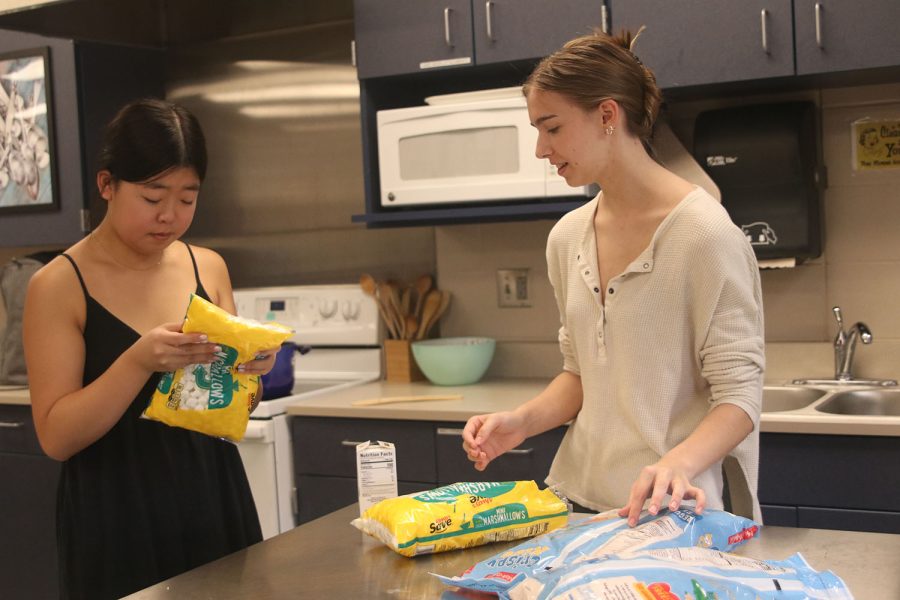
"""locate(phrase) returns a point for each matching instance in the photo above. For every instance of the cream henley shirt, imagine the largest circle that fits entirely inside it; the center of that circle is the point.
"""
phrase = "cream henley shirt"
(680, 332)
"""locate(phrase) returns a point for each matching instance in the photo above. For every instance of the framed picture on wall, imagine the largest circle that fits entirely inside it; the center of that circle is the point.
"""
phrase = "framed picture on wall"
(27, 162)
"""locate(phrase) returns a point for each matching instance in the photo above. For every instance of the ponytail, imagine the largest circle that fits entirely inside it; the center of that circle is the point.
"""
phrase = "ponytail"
(598, 67)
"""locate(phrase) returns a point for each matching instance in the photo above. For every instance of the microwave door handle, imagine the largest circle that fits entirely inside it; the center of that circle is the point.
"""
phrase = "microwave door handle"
(447, 27)
(488, 9)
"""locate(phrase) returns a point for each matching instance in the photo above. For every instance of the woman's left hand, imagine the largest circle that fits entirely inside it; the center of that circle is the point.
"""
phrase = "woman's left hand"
(654, 482)
(261, 364)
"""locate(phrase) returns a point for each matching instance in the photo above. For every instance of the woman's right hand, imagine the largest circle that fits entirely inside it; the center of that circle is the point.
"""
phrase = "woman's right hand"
(485, 437)
(166, 348)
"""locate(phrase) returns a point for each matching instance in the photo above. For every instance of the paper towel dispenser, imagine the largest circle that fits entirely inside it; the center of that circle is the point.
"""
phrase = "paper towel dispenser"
(764, 158)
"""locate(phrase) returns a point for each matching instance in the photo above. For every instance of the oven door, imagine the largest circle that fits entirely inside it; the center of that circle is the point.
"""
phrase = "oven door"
(266, 454)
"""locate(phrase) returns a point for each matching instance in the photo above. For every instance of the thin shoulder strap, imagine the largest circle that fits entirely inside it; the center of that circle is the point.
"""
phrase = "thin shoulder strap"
(78, 272)
(194, 262)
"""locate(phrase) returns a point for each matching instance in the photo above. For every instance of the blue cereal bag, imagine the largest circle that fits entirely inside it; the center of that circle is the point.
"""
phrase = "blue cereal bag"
(682, 574)
(602, 535)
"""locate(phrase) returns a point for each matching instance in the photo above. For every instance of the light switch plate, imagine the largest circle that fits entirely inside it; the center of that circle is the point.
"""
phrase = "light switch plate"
(512, 288)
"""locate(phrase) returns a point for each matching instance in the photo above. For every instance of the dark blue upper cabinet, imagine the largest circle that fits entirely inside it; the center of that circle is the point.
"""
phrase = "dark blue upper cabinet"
(88, 83)
(406, 36)
(396, 37)
(695, 42)
(507, 30)
(837, 35)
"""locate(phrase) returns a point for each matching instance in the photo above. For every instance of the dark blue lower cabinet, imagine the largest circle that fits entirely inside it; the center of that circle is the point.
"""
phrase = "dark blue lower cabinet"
(848, 519)
(830, 481)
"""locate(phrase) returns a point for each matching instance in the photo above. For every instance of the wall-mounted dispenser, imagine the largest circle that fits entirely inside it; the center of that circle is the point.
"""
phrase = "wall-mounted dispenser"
(764, 158)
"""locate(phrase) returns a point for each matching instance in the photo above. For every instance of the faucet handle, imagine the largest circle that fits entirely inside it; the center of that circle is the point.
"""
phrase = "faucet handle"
(865, 335)
(838, 318)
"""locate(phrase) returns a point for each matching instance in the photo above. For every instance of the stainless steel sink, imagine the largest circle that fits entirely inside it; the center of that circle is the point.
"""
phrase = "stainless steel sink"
(863, 402)
(780, 399)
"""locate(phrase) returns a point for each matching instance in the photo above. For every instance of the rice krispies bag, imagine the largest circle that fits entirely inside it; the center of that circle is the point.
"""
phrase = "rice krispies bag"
(603, 535)
(215, 399)
(682, 574)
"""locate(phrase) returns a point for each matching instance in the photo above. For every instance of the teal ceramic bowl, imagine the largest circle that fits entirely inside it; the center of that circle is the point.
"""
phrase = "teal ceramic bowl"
(454, 361)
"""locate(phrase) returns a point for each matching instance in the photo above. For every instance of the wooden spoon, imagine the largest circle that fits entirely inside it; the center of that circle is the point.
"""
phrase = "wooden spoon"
(370, 287)
(392, 399)
(405, 300)
(423, 286)
(411, 327)
(387, 291)
(430, 307)
(441, 309)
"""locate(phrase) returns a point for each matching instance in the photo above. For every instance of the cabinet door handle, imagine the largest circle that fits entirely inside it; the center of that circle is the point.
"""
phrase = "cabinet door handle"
(819, 25)
(449, 431)
(447, 27)
(458, 432)
(12, 424)
(765, 38)
(520, 451)
(350, 443)
(488, 9)
(604, 18)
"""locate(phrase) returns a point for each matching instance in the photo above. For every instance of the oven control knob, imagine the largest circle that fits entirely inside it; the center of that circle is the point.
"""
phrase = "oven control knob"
(327, 308)
(350, 310)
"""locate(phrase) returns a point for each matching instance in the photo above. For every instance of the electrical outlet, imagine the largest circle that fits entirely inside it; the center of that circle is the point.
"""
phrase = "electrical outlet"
(512, 288)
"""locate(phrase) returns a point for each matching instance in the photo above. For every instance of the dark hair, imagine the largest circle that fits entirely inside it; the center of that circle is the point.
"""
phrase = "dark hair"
(598, 67)
(148, 137)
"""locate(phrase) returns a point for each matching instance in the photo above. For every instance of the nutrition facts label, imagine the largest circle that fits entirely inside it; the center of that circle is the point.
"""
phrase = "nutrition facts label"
(376, 473)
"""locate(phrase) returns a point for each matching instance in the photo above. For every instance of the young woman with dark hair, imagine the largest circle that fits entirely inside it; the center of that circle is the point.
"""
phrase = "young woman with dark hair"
(138, 501)
(659, 301)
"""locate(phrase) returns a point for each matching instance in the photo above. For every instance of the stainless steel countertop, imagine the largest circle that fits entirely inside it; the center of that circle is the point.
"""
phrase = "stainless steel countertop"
(328, 558)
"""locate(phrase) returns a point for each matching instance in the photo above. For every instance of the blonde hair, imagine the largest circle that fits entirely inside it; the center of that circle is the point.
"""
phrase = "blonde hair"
(598, 67)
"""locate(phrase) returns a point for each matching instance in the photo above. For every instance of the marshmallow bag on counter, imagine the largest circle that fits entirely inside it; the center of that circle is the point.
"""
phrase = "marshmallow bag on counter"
(463, 515)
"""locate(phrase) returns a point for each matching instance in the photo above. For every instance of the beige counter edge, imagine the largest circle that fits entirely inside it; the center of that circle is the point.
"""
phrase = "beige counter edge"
(497, 395)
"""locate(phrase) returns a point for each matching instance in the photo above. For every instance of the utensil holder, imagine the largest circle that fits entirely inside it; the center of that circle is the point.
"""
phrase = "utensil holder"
(400, 366)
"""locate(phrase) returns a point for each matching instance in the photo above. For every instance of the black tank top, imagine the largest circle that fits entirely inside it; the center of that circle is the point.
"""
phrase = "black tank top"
(146, 501)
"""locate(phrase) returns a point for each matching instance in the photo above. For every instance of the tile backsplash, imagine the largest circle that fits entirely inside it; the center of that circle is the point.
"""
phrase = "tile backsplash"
(859, 268)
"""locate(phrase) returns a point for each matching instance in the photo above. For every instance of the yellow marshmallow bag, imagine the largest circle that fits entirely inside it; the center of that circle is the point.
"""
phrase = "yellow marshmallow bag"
(215, 399)
(463, 515)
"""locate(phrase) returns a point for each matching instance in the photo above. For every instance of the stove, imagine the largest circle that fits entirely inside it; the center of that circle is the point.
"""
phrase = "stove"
(341, 325)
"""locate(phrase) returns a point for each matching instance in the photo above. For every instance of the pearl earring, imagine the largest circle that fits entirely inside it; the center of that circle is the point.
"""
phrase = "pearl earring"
(610, 129)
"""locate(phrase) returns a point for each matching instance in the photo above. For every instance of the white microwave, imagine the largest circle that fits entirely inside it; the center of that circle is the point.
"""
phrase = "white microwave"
(480, 151)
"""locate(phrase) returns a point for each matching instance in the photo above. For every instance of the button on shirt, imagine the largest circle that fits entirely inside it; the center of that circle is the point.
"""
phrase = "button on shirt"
(680, 332)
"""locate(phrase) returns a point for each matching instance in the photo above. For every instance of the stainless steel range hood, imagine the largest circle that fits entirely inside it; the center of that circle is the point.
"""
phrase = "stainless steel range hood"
(9, 6)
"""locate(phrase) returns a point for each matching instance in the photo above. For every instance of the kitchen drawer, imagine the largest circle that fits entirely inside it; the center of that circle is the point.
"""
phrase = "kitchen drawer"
(531, 460)
(17, 433)
(324, 446)
(317, 496)
(779, 516)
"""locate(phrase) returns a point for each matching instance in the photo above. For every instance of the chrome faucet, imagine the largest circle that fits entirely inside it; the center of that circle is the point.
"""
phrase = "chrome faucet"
(845, 345)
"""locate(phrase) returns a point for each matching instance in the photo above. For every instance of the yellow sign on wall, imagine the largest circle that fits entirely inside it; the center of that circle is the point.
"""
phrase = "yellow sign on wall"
(876, 144)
